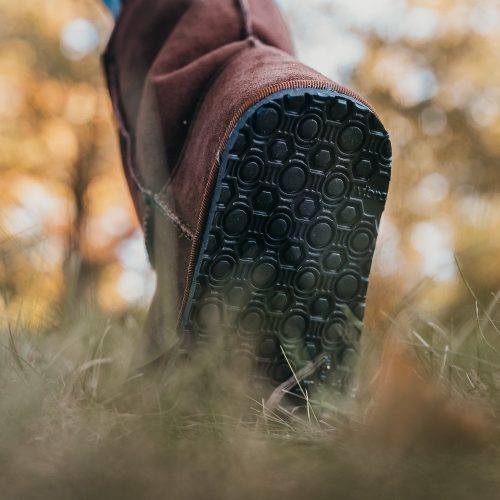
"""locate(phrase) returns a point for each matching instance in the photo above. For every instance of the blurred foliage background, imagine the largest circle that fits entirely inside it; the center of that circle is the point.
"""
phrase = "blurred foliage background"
(430, 68)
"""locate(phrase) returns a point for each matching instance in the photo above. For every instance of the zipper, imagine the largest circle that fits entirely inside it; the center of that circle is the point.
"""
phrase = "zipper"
(205, 204)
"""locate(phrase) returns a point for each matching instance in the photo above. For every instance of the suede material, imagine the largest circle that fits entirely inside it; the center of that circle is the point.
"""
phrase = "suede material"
(166, 113)
(160, 59)
(268, 26)
(169, 246)
(196, 50)
(140, 33)
(198, 33)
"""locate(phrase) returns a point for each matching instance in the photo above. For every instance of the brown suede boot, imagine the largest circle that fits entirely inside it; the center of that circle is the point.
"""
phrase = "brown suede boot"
(259, 182)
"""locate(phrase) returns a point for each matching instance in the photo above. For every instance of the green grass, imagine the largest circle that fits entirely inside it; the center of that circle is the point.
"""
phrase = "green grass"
(77, 422)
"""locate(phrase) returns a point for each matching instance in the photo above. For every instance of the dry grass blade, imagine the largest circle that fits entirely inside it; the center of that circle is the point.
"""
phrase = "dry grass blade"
(93, 363)
(481, 331)
(474, 296)
(279, 393)
(19, 360)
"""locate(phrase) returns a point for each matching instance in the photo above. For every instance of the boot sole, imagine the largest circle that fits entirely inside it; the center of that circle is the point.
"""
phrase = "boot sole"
(290, 234)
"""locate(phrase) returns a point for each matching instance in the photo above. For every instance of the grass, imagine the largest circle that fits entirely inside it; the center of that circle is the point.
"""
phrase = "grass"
(76, 422)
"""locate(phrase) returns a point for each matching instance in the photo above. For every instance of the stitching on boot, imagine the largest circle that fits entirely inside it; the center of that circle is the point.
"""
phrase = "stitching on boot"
(174, 218)
(123, 128)
(122, 125)
(247, 18)
(129, 163)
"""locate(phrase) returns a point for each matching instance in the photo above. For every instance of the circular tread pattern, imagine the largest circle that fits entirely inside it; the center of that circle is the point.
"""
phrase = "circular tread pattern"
(249, 172)
(266, 120)
(320, 235)
(236, 221)
(333, 334)
(361, 241)
(294, 327)
(252, 321)
(306, 281)
(221, 269)
(351, 139)
(264, 275)
(279, 301)
(309, 128)
(279, 227)
(336, 186)
(289, 240)
(321, 306)
(293, 254)
(334, 261)
(293, 179)
(347, 286)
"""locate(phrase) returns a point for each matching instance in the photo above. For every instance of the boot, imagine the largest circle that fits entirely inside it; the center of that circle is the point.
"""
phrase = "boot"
(259, 183)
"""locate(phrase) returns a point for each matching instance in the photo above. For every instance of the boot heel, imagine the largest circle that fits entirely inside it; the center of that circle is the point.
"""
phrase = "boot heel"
(285, 254)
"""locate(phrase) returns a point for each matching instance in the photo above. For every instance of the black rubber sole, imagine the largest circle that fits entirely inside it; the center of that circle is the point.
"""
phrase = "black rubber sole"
(290, 234)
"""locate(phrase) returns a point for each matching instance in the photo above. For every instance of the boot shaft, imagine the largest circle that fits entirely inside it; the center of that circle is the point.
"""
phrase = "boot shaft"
(159, 62)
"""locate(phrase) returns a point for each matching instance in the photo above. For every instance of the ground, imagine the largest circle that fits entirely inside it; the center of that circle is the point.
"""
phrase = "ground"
(78, 422)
